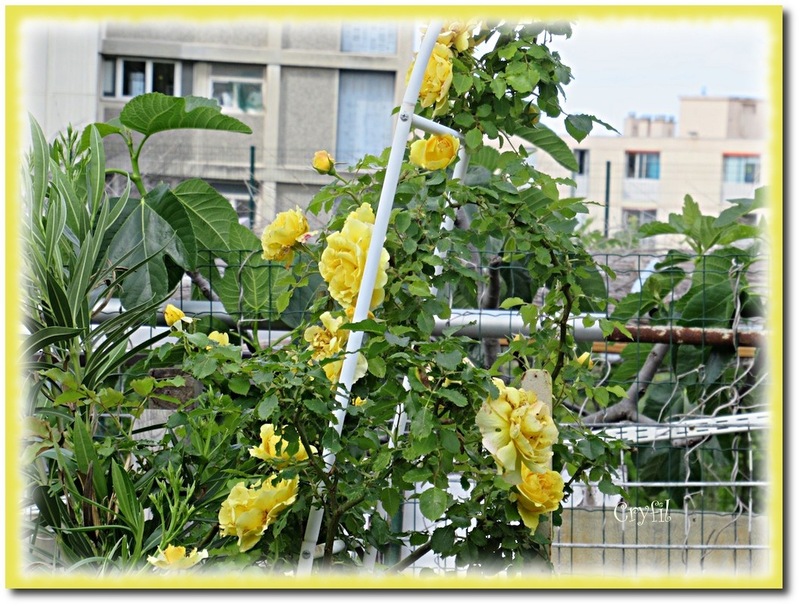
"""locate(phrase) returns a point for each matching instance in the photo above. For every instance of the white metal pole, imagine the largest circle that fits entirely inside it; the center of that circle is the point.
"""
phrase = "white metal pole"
(396, 155)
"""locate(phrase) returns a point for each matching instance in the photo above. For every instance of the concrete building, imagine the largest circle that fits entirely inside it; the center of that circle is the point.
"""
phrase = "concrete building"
(715, 152)
(301, 86)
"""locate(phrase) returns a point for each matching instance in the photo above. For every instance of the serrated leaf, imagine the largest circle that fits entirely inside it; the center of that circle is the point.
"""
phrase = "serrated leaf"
(433, 503)
(211, 214)
(239, 385)
(155, 112)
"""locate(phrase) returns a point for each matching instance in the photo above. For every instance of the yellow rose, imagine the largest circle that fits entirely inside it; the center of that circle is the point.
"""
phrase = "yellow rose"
(174, 315)
(268, 449)
(248, 512)
(175, 558)
(538, 493)
(517, 430)
(220, 337)
(585, 359)
(323, 163)
(458, 35)
(437, 79)
(434, 153)
(289, 228)
(342, 262)
(328, 341)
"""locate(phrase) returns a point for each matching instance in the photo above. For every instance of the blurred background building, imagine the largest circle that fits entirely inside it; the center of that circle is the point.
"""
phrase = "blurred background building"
(301, 86)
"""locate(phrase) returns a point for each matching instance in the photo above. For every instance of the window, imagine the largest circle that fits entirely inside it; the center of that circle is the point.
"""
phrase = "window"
(642, 165)
(124, 78)
(364, 124)
(742, 168)
(369, 38)
(582, 157)
(238, 87)
(632, 218)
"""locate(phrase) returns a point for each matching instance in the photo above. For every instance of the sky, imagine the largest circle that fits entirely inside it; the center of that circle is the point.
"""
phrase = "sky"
(644, 67)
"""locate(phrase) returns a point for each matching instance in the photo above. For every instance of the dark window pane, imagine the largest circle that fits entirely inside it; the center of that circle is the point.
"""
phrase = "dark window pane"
(133, 78)
(164, 78)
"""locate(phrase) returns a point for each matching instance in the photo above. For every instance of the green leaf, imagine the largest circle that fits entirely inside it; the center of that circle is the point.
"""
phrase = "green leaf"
(267, 406)
(711, 306)
(40, 155)
(211, 214)
(549, 142)
(96, 173)
(44, 337)
(130, 508)
(449, 360)
(239, 385)
(473, 138)
(462, 83)
(511, 302)
(390, 497)
(155, 112)
(578, 126)
(442, 539)
(454, 396)
(422, 423)
(83, 449)
(433, 503)
(153, 228)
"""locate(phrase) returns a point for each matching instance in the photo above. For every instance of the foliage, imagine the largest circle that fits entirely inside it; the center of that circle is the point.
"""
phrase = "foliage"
(110, 497)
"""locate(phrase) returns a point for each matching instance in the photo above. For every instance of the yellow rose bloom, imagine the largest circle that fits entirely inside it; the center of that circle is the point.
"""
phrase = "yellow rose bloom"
(436, 152)
(342, 262)
(437, 79)
(220, 337)
(538, 493)
(173, 314)
(458, 35)
(328, 341)
(268, 449)
(289, 228)
(585, 359)
(248, 512)
(517, 430)
(323, 163)
(175, 558)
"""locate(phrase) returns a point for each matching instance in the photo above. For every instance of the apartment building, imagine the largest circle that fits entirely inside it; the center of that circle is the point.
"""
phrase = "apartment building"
(715, 152)
(301, 86)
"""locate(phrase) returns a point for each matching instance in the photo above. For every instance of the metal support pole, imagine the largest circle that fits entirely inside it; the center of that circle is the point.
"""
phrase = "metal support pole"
(251, 190)
(608, 196)
(396, 156)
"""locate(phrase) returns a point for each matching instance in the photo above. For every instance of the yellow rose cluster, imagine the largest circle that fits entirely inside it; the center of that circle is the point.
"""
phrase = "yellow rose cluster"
(281, 237)
(435, 152)
(269, 451)
(343, 260)
(437, 79)
(458, 35)
(248, 512)
(175, 558)
(328, 341)
(519, 432)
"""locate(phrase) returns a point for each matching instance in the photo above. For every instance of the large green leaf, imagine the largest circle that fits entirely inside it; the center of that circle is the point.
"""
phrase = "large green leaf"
(154, 112)
(144, 237)
(549, 142)
(212, 216)
(708, 307)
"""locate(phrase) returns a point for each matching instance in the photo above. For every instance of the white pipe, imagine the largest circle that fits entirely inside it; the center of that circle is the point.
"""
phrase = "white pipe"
(396, 156)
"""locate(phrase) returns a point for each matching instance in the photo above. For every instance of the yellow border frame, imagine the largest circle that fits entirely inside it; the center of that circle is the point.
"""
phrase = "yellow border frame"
(772, 16)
